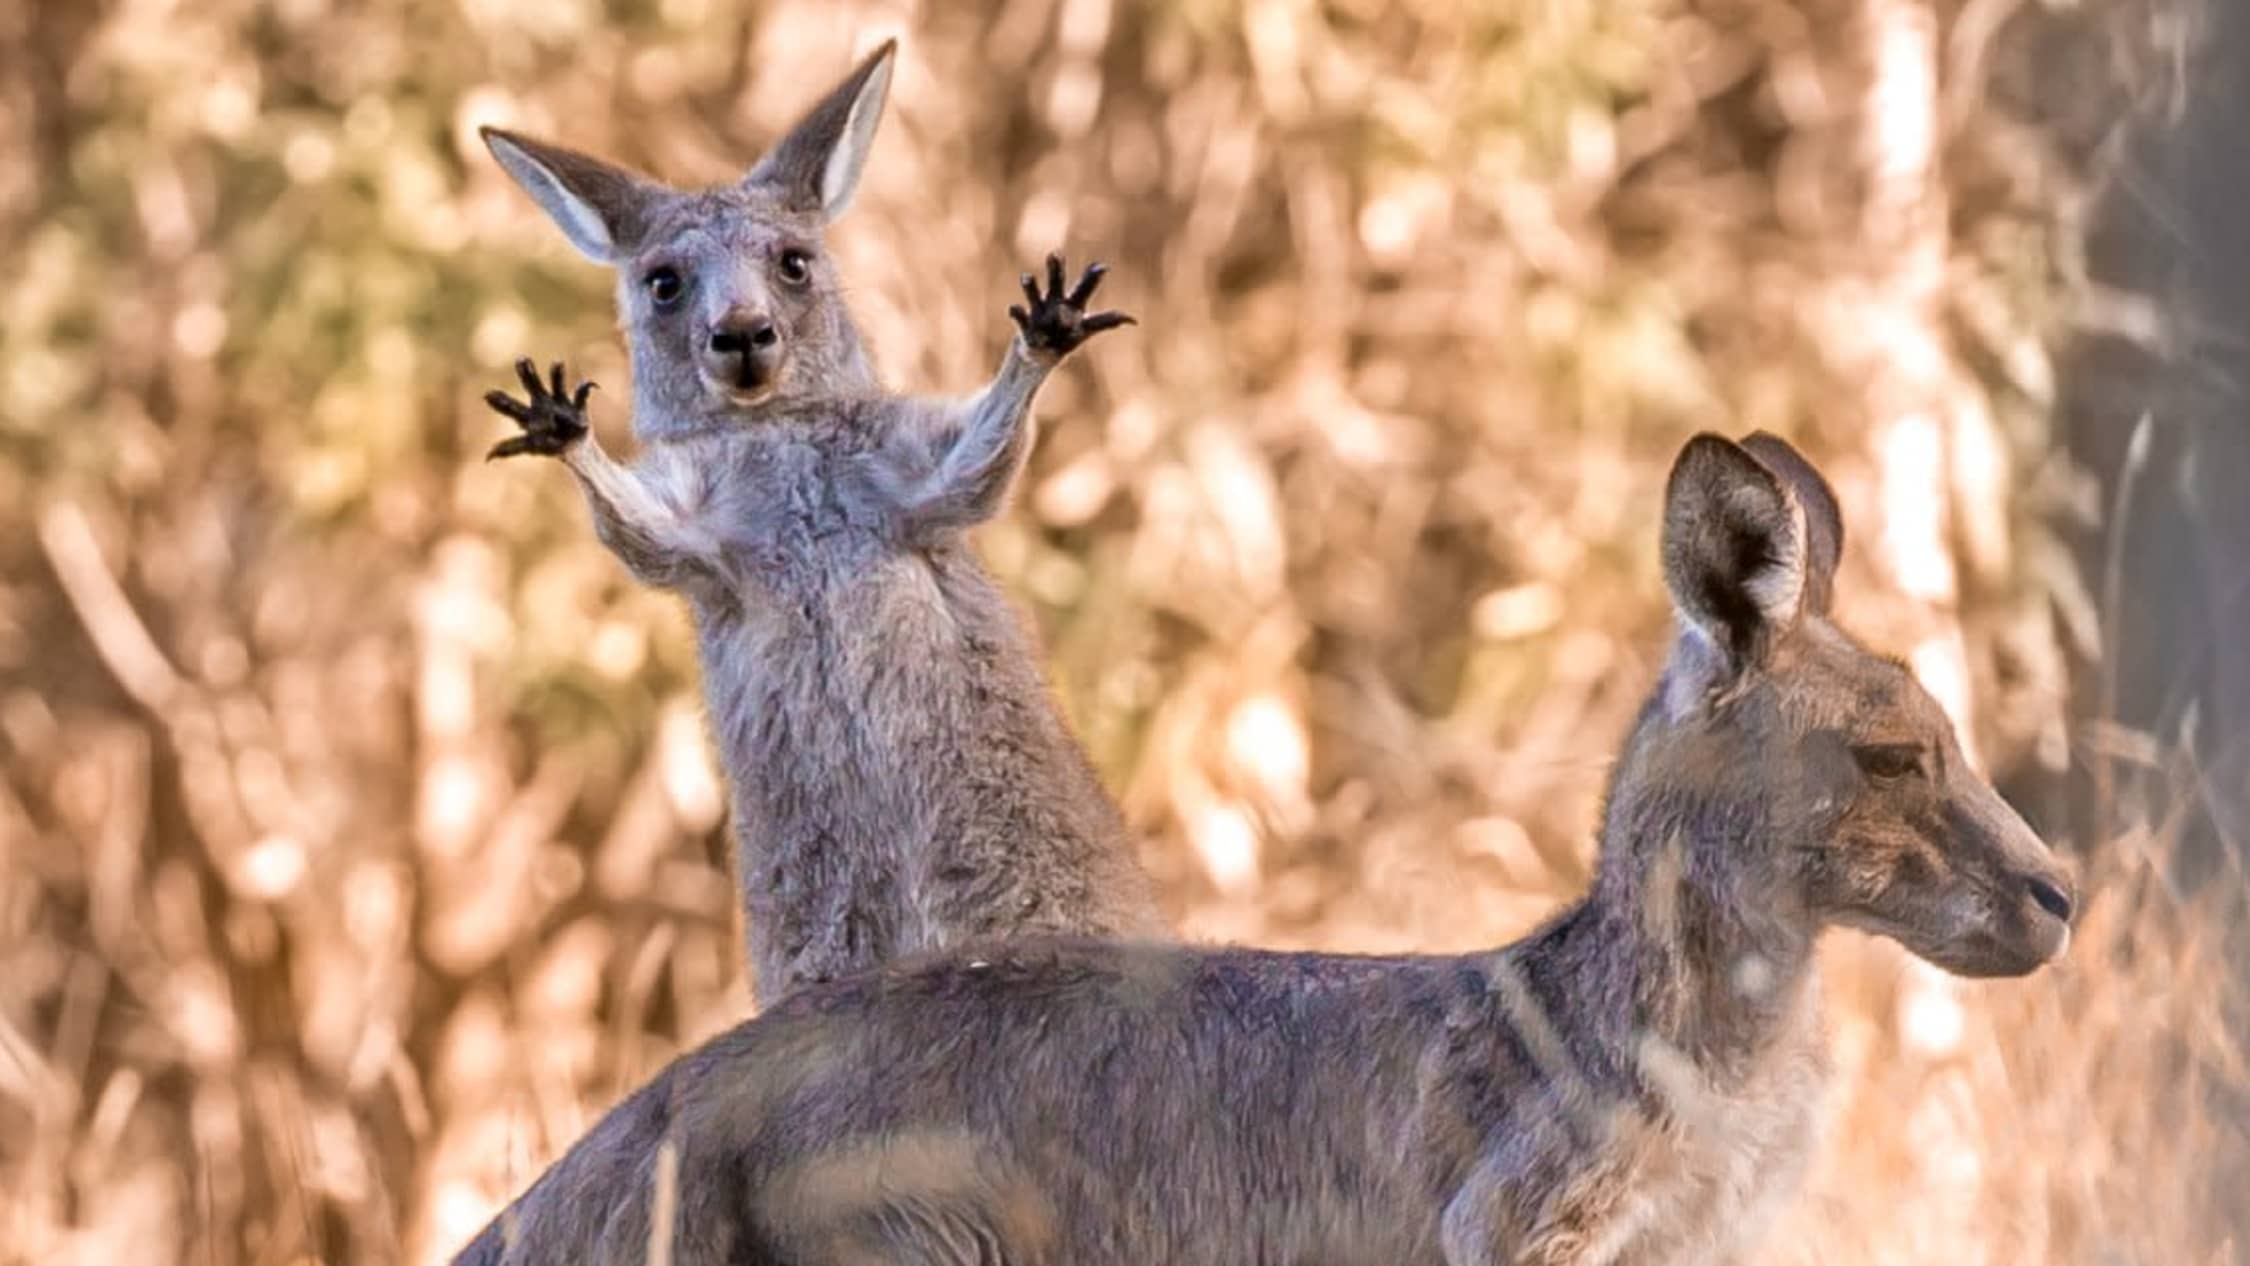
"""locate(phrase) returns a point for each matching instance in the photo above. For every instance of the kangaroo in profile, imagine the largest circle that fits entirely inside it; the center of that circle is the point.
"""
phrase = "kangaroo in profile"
(1633, 1082)
(901, 778)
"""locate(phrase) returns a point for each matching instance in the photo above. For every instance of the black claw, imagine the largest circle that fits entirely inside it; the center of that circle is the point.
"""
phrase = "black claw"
(505, 405)
(1055, 320)
(552, 419)
(1087, 280)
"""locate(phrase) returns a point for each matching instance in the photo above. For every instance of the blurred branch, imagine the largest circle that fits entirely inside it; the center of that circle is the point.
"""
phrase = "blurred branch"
(118, 633)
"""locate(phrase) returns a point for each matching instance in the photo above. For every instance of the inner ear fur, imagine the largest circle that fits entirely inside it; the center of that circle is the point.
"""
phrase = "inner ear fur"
(1824, 521)
(602, 208)
(1735, 548)
(816, 166)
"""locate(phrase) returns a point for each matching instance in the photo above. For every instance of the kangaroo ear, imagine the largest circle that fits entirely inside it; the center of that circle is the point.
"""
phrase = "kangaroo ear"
(601, 208)
(1824, 523)
(816, 166)
(1734, 549)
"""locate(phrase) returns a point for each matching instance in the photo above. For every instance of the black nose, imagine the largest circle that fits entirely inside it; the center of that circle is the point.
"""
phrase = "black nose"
(741, 339)
(2051, 897)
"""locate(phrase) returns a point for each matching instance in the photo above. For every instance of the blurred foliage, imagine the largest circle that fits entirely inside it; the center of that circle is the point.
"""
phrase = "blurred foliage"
(357, 837)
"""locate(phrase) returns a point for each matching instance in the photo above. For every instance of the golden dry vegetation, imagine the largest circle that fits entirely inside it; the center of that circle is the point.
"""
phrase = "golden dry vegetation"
(358, 842)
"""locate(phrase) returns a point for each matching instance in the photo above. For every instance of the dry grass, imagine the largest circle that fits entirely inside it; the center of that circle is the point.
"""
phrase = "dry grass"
(357, 841)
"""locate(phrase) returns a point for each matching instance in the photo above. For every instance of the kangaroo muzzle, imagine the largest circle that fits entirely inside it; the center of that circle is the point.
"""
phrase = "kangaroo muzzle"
(742, 355)
(2030, 897)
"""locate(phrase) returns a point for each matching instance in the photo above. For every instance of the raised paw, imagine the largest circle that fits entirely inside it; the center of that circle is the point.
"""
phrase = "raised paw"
(552, 419)
(1056, 322)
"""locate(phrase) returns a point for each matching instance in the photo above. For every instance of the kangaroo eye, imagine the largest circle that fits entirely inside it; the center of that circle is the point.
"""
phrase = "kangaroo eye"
(664, 286)
(796, 267)
(1888, 762)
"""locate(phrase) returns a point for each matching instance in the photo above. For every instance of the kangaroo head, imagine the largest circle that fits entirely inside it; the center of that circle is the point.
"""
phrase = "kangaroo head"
(726, 295)
(1877, 820)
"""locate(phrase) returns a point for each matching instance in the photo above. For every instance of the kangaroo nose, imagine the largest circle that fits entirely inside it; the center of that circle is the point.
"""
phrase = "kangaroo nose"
(2050, 896)
(742, 337)
(743, 351)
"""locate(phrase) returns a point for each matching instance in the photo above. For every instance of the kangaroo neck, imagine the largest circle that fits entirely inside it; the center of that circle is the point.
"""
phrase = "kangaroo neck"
(1689, 937)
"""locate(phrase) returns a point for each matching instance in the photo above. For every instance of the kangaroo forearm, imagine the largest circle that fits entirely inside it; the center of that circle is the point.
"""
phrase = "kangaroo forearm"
(996, 431)
(991, 434)
(660, 545)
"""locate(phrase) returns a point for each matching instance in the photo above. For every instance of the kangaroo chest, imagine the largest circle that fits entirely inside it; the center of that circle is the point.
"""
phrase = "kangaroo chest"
(1702, 1182)
(839, 705)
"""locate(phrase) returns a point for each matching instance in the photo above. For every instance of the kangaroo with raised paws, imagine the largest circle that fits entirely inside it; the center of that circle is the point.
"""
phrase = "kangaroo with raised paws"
(901, 778)
(1636, 1082)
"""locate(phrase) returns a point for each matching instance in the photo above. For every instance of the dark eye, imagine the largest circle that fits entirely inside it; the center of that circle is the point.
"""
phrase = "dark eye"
(1888, 762)
(796, 266)
(664, 286)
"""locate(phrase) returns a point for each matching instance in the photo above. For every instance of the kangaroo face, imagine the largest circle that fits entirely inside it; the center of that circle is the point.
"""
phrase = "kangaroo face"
(1915, 845)
(732, 303)
(727, 294)
(1882, 823)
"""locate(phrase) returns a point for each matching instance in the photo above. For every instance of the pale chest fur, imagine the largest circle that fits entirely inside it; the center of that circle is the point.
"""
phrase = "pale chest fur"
(1702, 1185)
(845, 694)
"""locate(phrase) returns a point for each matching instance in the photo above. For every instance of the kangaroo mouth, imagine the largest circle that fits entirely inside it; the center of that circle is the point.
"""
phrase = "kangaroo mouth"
(2012, 942)
(1979, 934)
(747, 387)
(743, 376)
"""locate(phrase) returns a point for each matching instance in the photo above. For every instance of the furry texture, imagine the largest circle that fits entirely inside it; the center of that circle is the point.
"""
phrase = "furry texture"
(901, 778)
(1636, 1082)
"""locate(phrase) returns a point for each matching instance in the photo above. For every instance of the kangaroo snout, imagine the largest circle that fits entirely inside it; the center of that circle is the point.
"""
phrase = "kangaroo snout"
(2046, 900)
(2025, 898)
(743, 352)
(2038, 896)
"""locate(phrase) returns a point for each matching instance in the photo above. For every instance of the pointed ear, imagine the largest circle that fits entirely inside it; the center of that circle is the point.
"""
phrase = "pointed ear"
(601, 208)
(1824, 523)
(1734, 549)
(816, 166)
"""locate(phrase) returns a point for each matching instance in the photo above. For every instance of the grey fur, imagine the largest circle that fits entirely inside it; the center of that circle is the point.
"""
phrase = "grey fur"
(1635, 1082)
(902, 780)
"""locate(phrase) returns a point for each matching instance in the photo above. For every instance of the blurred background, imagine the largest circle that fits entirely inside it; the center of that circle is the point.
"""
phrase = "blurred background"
(358, 839)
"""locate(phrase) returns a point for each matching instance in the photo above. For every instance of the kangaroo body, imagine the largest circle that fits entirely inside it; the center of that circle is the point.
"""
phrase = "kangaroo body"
(1636, 1082)
(1603, 1091)
(901, 778)
(1145, 1104)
